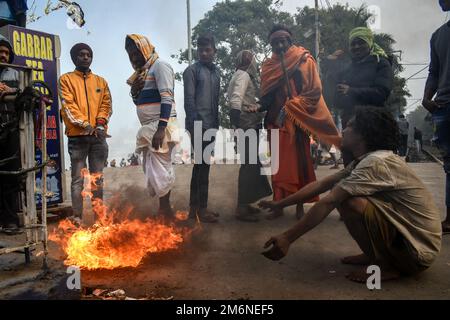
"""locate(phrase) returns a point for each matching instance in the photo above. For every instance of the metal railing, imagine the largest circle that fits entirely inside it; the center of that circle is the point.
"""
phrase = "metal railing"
(36, 232)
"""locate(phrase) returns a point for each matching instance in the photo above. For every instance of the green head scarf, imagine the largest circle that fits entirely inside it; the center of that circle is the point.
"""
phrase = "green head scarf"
(367, 36)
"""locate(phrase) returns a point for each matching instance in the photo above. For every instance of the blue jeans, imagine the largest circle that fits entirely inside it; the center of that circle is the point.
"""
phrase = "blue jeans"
(441, 121)
(95, 150)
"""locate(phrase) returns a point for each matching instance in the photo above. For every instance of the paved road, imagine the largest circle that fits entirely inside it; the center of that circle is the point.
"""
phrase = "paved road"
(223, 261)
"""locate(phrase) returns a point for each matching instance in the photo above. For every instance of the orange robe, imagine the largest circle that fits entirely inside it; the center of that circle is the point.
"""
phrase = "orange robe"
(306, 113)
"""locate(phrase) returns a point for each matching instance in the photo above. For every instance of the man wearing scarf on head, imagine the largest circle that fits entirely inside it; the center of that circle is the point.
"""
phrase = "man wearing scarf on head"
(295, 117)
(152, 89)
(86, 110)
(243, 97)
(369, 79)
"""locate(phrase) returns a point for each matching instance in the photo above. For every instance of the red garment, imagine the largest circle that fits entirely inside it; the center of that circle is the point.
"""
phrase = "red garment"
(296, 167)
(307, 109)
(306, 113)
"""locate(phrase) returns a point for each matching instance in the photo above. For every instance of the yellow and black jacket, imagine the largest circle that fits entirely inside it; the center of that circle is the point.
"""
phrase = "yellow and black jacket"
(86, 100)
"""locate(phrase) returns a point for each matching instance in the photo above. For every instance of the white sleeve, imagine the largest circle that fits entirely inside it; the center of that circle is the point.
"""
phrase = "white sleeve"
(238, 89)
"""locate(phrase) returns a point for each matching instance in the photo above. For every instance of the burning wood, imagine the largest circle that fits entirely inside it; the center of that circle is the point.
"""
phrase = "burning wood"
(115, 241)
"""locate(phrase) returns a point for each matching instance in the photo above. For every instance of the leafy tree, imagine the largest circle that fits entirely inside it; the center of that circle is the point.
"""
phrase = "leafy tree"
(335, 26)
(241, 24)
(238, 25)
(50, 7)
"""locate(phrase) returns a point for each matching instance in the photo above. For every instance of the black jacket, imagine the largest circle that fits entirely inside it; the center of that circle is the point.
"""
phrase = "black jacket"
(371, 82)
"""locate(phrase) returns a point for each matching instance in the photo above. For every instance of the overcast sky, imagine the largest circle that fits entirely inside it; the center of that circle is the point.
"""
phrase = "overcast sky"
(411, 22)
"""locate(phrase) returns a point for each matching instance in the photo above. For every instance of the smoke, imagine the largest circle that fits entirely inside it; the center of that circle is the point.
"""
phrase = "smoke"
(133, 200)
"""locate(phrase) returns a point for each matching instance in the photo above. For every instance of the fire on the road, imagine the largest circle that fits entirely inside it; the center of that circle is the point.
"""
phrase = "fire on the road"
(115, 241)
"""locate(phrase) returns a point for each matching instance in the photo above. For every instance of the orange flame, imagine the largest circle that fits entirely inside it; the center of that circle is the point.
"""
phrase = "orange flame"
(110, 244)
(182, 215)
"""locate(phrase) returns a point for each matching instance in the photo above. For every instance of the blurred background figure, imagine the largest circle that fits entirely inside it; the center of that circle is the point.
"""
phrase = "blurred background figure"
(404, 134)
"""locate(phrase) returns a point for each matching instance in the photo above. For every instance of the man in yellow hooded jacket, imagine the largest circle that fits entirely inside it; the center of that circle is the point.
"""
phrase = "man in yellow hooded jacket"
(86, 110)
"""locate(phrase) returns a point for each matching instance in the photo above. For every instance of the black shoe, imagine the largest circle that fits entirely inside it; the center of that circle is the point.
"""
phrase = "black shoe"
(206, 216)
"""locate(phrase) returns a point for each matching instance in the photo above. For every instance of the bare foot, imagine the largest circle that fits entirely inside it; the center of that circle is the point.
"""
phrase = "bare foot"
(275, 215)
(360, 260)
(361, 275)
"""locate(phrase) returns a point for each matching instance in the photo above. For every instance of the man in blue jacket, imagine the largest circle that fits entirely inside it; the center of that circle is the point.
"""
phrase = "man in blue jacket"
(201, 103)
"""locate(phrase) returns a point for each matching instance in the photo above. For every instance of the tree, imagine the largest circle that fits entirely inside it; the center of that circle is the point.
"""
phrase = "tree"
(241, 24)
(73, 10)
(336, 24)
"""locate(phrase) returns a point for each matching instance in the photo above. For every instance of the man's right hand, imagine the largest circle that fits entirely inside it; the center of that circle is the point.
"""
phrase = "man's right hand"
(253, 109)
(5, 89)
(343, 89)
(90, 131)
(279, 248)
(272, 206)
(101, 133)
(430, 105)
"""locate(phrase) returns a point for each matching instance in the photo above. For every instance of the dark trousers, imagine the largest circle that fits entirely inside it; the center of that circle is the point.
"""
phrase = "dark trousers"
(441, 120)
(253, 185)
(10, 186)
(200, 178)
(403, 145)
(95, 150)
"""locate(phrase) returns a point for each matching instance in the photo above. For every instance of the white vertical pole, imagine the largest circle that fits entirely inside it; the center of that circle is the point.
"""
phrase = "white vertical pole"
(188, 4)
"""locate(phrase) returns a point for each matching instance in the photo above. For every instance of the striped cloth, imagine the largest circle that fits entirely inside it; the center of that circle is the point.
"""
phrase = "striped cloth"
(158, 91)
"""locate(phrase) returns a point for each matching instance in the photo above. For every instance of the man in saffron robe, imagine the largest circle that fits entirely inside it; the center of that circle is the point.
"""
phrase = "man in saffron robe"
(295, 112)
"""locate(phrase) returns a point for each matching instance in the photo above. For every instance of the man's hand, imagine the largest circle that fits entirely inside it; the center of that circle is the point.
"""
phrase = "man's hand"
(100, 133)
(158, 138)
(430, 105)
(335, 55)
(90, 131)
(253, 109)
(272, 206)
(280, 248)
(5, 89)
(343, 89)
(137, 86)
